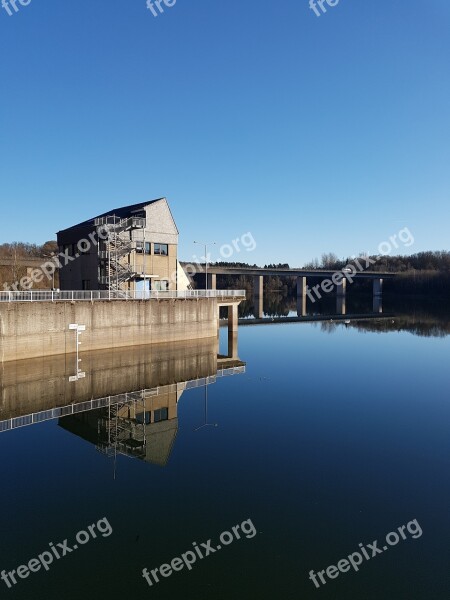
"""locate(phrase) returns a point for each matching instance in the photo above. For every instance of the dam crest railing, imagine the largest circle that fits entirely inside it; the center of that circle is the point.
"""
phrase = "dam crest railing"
(95, 295)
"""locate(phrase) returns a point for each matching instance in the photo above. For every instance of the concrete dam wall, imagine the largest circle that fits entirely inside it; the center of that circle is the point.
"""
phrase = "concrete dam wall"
(37, 329)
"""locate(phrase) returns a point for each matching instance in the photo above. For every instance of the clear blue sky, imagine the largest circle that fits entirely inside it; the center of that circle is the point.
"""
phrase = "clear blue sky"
(315, 134)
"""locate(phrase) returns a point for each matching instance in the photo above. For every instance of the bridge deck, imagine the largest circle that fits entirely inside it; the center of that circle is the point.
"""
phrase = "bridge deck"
(215, 270)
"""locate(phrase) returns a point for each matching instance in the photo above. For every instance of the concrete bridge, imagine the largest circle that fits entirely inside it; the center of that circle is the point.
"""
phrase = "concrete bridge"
(331, 279)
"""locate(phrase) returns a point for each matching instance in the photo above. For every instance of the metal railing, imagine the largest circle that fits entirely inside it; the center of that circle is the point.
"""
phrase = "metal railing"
(94, 295)
(122, 223)
(125, 398)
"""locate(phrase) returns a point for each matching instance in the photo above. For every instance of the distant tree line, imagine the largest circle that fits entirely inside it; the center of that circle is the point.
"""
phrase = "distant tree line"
(24, 249)
(17, 254)
(422, 261)
(420, 273)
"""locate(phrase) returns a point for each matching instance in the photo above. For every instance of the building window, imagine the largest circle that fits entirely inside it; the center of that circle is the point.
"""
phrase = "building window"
(140, 247)
(144, 418)
(161, 414)
(160, 286)
(86, 284)
(162, 249)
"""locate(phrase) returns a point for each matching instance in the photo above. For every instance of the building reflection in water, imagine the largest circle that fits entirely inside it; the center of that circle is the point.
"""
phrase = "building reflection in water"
(126, 404)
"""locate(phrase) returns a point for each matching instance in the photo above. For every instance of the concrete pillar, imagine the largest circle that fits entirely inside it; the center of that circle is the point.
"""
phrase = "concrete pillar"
(341, 287)
(341, 305)
(233, 344)
(378, 287)
(258, 286)
(233, 318)
(258, 304)
(258, 296)
(301, 296)
(378, 304)
(301, 306)
(212, 281)
(301, 286)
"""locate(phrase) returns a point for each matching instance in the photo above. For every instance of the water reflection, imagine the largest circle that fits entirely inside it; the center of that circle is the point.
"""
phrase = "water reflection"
(144, 427)
(424, 316)
(329, 439)
(127, 401)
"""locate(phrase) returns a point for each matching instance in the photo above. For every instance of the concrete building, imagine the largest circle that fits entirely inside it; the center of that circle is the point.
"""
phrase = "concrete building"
(133, 248)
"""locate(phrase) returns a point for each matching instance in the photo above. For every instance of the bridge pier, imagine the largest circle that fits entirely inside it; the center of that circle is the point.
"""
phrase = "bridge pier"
(301, 296)
(211, 282)
(341, 287)
(378, 304)
(233, 345)
(378, 287)
(258, 296)
(258, 285)
(233, 325)
(341, 304)
(258, 303)
(233, 318)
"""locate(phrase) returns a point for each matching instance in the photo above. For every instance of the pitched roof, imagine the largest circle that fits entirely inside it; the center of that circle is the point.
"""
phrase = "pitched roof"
(124, 211)
(160, 439)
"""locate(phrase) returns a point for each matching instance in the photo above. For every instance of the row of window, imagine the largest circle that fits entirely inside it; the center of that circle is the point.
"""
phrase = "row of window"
(159, 285)
(158, 249)
(162, 414)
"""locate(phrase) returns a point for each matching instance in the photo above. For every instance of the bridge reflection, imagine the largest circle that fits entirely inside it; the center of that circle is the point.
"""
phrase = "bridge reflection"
(284, 308)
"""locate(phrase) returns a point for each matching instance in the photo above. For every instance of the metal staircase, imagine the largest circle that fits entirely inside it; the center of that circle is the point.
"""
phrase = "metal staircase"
(119, 432)
(115, 254)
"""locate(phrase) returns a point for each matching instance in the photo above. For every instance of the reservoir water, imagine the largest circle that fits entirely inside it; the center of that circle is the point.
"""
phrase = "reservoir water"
(312, 441)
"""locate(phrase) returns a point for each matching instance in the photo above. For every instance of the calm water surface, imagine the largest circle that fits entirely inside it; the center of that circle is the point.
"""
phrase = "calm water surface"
(336, 434)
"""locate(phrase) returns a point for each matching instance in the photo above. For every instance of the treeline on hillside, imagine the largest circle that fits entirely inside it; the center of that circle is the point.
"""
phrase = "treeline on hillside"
(422, 261)
(24, 249)
(235, 265)
(420, 273)
(16, 253)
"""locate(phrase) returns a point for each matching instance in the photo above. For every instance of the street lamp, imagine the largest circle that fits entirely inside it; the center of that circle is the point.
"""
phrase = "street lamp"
(54, 269)
(206, 424)
(206, 244)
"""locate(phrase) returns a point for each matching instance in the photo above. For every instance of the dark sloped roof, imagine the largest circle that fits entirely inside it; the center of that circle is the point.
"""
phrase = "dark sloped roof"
(122, 212)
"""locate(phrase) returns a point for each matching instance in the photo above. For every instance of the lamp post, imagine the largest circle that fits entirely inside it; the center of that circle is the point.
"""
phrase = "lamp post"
(54, 269)
(206, 244)
(206, 424)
